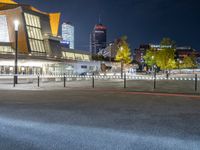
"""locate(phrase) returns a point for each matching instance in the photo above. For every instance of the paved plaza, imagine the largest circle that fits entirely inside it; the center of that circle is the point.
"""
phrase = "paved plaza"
(97, 119)
(183, 84)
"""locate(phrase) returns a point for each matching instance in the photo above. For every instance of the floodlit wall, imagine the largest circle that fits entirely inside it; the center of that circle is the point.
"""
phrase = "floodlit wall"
(75, 56)
(8, 1)
(4, 36)
(54, 21)
(16, 14)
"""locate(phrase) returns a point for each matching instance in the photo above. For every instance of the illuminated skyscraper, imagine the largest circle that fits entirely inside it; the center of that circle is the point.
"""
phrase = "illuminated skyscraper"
(98, 39)
(68, 34)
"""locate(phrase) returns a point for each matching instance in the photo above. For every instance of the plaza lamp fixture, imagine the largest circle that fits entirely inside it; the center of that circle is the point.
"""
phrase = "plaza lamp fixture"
(122, 64)
(16, 26)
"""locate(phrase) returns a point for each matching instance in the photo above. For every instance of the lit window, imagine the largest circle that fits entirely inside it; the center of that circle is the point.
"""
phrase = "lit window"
(6, 49)
(84, 67)
(33, 27)
(75, 56)
(4, 36)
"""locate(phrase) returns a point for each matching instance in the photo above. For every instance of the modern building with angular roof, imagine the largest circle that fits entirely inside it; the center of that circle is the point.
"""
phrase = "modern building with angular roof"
(39, 44)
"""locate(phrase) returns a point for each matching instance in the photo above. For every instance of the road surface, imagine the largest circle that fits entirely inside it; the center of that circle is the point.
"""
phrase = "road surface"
(69, 119)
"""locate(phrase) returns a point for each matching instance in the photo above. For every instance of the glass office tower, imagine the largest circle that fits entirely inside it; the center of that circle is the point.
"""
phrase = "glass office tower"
(68, 34)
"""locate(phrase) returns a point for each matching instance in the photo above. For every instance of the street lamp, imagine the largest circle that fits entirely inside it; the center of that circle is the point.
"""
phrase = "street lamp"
(122, 64)
(152, 58)
(16, 25)
(155, 69)
(180, 62)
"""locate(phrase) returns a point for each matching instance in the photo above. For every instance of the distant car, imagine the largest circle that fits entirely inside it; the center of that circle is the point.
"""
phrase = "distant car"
(83, 74)
(86, 74)
(89, 73)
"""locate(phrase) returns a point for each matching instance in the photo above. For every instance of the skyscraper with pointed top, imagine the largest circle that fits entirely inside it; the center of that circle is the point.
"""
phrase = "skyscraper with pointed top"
(98, 38)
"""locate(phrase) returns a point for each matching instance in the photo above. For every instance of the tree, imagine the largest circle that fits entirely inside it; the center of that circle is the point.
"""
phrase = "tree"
(150, 57)
(165, 58)
(123, 51)
(171, 64)
(100, 58)
(167, 43)
(189, 62)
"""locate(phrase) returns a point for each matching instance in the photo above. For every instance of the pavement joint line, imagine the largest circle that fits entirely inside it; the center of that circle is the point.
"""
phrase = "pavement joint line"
(145, 93)
(165, 94)
(189, 95)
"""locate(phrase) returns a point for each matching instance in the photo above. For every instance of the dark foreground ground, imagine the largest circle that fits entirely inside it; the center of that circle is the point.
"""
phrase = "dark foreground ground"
(98, 120)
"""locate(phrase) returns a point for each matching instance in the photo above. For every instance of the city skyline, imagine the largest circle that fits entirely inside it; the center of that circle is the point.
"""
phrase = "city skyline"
(175, 19)
(55, 96)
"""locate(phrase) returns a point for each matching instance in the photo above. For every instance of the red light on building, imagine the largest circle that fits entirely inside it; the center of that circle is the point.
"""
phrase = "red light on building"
(100, 27)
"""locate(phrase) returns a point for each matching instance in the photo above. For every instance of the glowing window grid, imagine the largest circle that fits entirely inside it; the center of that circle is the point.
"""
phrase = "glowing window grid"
(33, 27)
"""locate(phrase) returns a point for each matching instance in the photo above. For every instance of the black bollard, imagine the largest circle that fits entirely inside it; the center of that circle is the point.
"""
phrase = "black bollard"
(64, 80)
(124, 80)
(14, 80)
(93, 80)
(196, 80)
(154, 82)
(38, 80)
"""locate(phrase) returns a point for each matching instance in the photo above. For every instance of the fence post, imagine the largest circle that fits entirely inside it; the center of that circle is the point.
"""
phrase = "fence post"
(14, 80)
(154, 82)
(196, 80)
(38, 80)
(93, 80)
(64, 80)
(124, 80)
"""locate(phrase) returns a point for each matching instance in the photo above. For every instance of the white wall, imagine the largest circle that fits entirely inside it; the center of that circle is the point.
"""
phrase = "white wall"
(92, 66)
(4, 37)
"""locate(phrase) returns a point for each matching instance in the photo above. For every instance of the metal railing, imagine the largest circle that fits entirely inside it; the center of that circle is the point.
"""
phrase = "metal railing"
(125, 82)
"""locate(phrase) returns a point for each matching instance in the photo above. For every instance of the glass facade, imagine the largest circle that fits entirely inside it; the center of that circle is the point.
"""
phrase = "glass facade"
(68, 34)
(33, 27)
(4, 37)
(75, 56)
(98, 39)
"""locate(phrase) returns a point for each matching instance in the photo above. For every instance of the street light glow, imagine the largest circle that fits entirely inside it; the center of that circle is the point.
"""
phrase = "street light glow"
(16, 23)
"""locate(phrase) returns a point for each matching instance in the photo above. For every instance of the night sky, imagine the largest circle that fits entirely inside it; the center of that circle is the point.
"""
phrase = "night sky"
(143, 21)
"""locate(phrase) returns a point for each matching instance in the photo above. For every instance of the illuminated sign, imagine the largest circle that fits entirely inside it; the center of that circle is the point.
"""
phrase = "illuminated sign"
(161, 46)
(100, 27)
(96, 31)
(4, 37)
(65, 42)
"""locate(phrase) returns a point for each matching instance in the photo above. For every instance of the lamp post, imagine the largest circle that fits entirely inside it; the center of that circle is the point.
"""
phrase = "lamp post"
(180, 62)
(155, 69)
(122, 68)
(152, 58)
(122, 64)
(16, 24)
